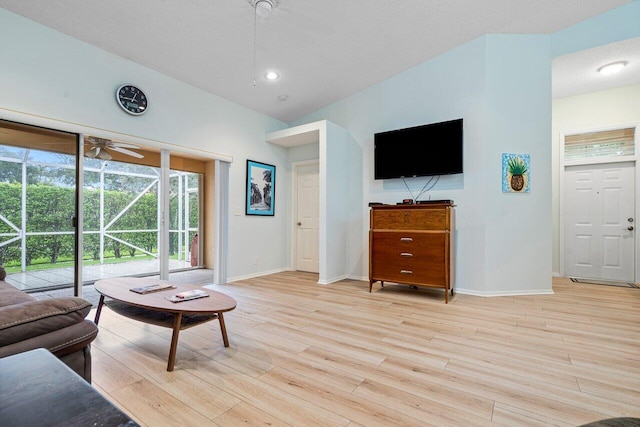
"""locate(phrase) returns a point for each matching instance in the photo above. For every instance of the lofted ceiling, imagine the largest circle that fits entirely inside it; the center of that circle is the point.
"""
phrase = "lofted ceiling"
(323, 50)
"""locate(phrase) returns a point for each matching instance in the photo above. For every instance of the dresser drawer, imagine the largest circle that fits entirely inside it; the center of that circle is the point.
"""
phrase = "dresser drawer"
(409, 219)
(409, 257)
(422, 245)
(429, 274)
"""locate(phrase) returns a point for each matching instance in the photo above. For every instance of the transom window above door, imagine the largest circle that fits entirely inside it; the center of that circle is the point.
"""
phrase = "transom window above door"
(608, 143)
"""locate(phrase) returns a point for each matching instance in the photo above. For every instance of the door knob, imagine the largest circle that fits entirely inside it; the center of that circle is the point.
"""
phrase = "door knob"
(630, 228)
(299, 223)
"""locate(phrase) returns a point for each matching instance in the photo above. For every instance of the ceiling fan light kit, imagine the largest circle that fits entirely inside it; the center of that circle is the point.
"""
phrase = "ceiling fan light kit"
(98, 153)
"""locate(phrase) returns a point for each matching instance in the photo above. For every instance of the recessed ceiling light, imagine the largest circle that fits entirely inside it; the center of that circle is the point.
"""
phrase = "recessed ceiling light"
(612, 68)
(271, 75)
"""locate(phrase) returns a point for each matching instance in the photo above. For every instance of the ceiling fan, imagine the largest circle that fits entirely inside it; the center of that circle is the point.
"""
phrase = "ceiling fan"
(100, 148)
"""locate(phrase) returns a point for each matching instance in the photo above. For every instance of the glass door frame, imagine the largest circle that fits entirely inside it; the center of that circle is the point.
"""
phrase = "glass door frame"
(79, 218)
(30, 137)
(214, 195)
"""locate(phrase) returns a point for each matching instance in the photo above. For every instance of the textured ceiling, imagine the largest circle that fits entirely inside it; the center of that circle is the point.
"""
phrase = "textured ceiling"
(324, 50)
(577, 73)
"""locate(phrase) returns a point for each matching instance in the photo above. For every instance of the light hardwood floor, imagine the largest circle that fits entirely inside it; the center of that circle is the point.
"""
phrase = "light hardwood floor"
(304, 354)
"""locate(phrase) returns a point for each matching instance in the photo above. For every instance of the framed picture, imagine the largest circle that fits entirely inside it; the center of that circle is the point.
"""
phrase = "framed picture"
(261, 188)
(516, 170)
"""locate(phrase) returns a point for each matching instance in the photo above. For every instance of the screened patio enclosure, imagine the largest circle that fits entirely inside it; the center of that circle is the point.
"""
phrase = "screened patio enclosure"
(122, 214)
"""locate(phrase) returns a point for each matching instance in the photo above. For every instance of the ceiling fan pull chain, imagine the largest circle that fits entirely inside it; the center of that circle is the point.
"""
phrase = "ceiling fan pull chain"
(255, 20)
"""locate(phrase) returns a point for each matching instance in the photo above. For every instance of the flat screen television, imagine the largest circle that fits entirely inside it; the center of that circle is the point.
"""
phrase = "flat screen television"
(432, 149)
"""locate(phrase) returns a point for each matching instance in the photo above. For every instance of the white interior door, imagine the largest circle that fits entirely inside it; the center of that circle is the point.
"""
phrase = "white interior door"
(600, 221)
(308, 212)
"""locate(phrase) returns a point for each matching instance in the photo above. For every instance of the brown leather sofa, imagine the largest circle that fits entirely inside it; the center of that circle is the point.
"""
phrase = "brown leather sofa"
(57, 324)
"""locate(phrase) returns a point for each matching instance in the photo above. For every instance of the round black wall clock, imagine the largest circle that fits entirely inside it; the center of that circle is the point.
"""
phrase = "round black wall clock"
(132, 100)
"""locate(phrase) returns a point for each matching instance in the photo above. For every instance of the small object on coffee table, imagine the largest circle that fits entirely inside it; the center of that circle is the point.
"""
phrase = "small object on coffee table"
(152, 288)
(188, 295)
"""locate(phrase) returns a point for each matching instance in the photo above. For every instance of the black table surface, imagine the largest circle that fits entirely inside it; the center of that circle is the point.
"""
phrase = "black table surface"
(37, 389)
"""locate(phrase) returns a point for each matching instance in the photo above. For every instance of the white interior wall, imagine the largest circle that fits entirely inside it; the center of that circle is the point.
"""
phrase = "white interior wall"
(481, 82)
(48, 76)
(357, 222)
(517, 120)
(449, 86)
(333, 177)
(339, 162)
(453, 85)
(611, 26)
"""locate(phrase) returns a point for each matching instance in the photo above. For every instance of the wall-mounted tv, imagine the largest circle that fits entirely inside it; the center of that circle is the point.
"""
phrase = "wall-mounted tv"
(432, 149)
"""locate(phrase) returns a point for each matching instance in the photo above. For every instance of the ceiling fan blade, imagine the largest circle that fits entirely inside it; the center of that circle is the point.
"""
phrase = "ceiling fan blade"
(127, 152)
(122, 145)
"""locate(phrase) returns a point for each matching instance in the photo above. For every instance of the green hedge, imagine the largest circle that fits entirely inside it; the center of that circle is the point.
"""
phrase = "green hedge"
(50, 209)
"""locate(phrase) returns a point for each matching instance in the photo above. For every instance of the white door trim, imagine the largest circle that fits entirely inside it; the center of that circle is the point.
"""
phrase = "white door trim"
(294, 207)
(602, 160)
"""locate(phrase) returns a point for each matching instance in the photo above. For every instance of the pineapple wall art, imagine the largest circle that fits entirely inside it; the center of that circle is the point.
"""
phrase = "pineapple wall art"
(515, 173)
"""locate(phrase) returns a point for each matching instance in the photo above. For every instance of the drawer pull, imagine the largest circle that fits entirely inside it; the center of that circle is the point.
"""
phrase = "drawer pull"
(406, 272)
(406, 239)
(406, 254)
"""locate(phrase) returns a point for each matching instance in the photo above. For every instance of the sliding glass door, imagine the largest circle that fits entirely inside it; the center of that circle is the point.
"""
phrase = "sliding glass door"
(38, 207)
(120, 230)
(121, 213)
(184, 205)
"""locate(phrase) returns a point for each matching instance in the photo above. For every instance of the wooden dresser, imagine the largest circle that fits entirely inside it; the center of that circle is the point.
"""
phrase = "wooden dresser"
(413, 245)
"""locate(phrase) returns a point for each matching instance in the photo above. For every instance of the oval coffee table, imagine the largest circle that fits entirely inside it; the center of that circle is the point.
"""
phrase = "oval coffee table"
(154, 308)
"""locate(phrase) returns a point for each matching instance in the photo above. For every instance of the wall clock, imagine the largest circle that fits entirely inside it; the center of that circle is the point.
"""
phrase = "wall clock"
(132, 100)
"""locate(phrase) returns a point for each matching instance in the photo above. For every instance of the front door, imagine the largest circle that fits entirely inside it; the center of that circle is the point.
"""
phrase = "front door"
(600, 221)
(307, 230)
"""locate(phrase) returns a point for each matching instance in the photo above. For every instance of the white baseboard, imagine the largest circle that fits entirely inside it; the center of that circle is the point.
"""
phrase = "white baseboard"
(474, 292)
(254, 275)
(506, 293)
(335, 279)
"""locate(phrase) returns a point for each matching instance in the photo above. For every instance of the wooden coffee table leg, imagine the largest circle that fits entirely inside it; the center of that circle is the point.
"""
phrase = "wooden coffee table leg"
(224, 330)
(99, 310)
(177, 322)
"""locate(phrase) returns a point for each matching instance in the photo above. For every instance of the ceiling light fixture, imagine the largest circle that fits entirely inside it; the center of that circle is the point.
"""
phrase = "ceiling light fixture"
(263, 9)
(612, 68)
(271, 75)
